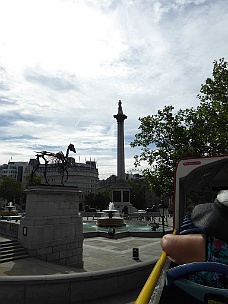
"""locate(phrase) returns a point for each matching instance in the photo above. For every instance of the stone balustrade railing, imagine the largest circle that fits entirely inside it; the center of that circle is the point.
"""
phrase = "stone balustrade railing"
(9, 228)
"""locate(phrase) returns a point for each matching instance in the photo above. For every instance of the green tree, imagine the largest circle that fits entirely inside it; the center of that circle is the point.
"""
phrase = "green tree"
(100, 200)
(90, 199)
(167, 136)
(103, 198)
(137, 194)
(10, 189)
(36, 179)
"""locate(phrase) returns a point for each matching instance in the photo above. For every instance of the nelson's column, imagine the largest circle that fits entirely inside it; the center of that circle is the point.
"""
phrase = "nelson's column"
(121, 189)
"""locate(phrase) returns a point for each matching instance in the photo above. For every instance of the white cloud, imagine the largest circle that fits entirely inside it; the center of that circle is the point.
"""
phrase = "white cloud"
(64, 64)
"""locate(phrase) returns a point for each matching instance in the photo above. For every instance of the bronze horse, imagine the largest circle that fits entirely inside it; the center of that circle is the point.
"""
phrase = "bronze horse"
(58, 159)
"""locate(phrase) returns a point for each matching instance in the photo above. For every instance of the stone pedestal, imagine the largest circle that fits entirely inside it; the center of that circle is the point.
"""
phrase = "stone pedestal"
(52, 230)
(121, 196)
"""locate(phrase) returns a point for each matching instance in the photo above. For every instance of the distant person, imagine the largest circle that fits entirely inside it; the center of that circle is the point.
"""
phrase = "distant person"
(109, 231)
(211, 246)
(113, 231)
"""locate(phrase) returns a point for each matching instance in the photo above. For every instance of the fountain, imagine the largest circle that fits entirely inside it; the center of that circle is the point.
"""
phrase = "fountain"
(9, 210)
(110, 218)
(10, 206)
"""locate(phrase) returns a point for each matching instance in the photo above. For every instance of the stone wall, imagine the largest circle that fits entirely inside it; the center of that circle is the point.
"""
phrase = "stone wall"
(9, 228)
(52, 229)
(73, 288)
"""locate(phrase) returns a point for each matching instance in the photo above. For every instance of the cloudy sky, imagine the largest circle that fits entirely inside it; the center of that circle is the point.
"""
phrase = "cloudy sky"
(65, 64)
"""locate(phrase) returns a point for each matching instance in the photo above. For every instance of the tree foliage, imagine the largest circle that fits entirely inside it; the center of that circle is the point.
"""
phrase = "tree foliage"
(137, 194)
(103, 198)
(90, 199)
(100, 200)
(10, 189)
(36, 179)
(167, 136)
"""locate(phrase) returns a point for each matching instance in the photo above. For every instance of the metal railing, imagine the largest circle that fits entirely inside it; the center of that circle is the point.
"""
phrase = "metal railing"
(148, 289)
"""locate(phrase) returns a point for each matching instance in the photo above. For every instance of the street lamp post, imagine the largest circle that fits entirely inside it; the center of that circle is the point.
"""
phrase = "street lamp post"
(162, 209)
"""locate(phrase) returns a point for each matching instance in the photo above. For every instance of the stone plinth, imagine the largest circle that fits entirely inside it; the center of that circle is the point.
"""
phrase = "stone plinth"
(52, 229)
(121, 196)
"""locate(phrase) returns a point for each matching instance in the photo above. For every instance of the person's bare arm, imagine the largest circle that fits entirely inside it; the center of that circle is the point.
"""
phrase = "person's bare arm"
(182, 249)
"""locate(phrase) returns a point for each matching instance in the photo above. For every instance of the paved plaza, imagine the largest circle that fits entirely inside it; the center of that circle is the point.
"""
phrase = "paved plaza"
(99, 253)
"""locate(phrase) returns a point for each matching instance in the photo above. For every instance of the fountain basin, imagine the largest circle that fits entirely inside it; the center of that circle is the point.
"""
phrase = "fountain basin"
(110, 218)
(110, 222)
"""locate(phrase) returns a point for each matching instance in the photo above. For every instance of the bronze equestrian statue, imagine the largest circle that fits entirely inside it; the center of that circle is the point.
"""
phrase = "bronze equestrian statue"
(58, 159)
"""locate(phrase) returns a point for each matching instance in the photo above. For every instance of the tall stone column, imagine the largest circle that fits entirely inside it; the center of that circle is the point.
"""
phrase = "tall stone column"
(120, 117)
(121, 189)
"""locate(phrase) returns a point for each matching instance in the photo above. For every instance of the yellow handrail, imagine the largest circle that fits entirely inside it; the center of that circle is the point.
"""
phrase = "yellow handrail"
(146, 293)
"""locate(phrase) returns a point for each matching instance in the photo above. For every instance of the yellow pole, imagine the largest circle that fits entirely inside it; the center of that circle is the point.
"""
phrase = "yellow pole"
(146, 293)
